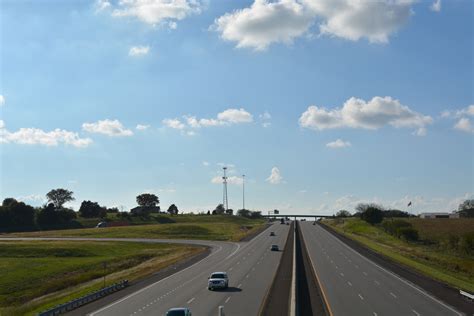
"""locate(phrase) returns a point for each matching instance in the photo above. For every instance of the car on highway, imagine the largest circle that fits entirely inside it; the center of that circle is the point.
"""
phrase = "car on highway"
(218, 280)
(272, 233)
(274, 248)
(180, 311)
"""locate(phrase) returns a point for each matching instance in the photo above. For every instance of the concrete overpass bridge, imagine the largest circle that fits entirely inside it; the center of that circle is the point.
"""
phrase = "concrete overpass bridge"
(295, 216)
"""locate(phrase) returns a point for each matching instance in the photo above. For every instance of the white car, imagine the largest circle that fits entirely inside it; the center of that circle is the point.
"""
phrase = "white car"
(218, 280)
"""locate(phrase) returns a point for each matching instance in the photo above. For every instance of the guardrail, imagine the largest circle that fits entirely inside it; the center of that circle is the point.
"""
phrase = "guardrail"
(69, 306)
(466, 294)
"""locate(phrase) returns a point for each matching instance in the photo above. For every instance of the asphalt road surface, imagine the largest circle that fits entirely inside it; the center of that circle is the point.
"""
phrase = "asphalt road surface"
(354, 285)
(251, 267)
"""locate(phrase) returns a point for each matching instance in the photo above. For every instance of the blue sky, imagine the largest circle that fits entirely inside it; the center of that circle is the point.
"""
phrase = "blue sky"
(321, 104)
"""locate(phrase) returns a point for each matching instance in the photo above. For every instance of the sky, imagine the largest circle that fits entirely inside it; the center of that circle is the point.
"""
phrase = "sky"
(322, 104)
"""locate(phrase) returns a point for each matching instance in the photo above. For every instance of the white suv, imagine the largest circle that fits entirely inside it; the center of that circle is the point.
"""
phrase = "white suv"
(218, 280)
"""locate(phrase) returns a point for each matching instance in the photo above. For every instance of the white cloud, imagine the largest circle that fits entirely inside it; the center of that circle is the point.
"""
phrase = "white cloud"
(338, 143)
(205, 164)
(230, 180)
(353, 20)
(36, 199)
(436, 6)
(420, 131)
(265, 119)
(107, 127)
(138, 51)
(142, 127)
(101, 5)
(266, 22)
(275, 176)
(158, 12)
(464, 124)
(225, 118)
(2, 100)
(357, 113)
(35, 136)
(174, 123)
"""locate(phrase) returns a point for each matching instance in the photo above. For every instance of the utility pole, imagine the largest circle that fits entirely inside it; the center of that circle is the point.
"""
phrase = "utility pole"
(243, 191)
(225, 199)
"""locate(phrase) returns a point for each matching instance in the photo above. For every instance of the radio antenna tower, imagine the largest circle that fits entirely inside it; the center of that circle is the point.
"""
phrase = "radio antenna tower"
(225, 200)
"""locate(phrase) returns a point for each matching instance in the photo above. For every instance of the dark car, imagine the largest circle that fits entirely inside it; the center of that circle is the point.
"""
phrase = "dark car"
(272, 233)
(180, 311)
(274, 248)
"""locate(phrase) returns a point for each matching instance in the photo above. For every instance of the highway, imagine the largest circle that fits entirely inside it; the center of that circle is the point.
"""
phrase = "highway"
(251, 267)
(354, 285)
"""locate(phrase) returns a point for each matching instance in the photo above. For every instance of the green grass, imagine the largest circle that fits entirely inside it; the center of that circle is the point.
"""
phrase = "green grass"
(453, 268)
(185, 227)
(69, 269)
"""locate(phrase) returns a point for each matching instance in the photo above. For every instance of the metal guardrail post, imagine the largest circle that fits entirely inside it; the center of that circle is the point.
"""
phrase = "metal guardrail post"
(221, 311)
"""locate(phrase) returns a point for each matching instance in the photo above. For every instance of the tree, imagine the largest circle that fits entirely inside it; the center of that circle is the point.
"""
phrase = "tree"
(229, 211)
(372, 214)
(219, 209)
(466, 208)
(173, 210)
(49, 215)
(208, 212)
(147, 200)
(343, 213)
(59, 197)
(255, 214)
(91, 209)
(16, 215)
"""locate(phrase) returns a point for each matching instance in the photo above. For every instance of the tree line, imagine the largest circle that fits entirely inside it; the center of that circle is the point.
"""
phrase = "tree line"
(19, 216)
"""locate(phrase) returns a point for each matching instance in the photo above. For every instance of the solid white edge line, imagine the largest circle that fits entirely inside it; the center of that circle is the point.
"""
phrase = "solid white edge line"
(233, 253)
(396, 276)
(149, 286)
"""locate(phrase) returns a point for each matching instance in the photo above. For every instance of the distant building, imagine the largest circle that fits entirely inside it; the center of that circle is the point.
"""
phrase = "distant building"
(439, 215)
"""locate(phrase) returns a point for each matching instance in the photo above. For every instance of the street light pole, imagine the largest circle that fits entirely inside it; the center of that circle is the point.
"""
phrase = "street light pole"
(243, 191)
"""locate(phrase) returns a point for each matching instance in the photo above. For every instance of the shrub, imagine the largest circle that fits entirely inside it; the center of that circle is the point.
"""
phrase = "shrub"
(466, 243)
(407, 233)
(392, 226)
(372, 215)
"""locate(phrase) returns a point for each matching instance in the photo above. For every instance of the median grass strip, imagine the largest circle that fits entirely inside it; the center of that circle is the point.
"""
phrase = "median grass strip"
(40, 274)
(223, 228)
(452, 267)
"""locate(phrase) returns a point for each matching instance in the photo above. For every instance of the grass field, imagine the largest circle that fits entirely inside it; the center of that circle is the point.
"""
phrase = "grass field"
(32, 270)
(452, 267)
(232, 228)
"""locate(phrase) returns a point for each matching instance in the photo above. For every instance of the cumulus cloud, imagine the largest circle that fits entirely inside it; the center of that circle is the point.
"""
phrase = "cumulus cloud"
(463, 121)
(101, 5)
(225, 118)
(173, 123)
(357, 113)
(275, 176)
(420, 131)
(266, 22)
(158, 12)
(338, 143)
(2, 100)
(205, 163)
(436, 6)
(353, 20)
(464, 124)
(35, 136)
(142, 127)
(107, 127)
(137, 51)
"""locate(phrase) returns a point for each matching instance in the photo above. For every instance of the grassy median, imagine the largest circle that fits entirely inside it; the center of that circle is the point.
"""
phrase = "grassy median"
(224, 228)
(41, 274)
(429, 256)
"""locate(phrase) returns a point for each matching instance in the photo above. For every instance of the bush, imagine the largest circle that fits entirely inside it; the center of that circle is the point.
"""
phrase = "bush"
(372, 215)
(392, 226)
(466, 243)
(407, 233)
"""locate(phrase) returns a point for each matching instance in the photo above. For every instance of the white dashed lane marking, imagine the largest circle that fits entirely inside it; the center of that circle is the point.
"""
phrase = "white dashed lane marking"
(189, 302)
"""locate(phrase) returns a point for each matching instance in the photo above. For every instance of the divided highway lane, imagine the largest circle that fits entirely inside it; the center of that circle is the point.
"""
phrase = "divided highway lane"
(250, 265)
(354, 285)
